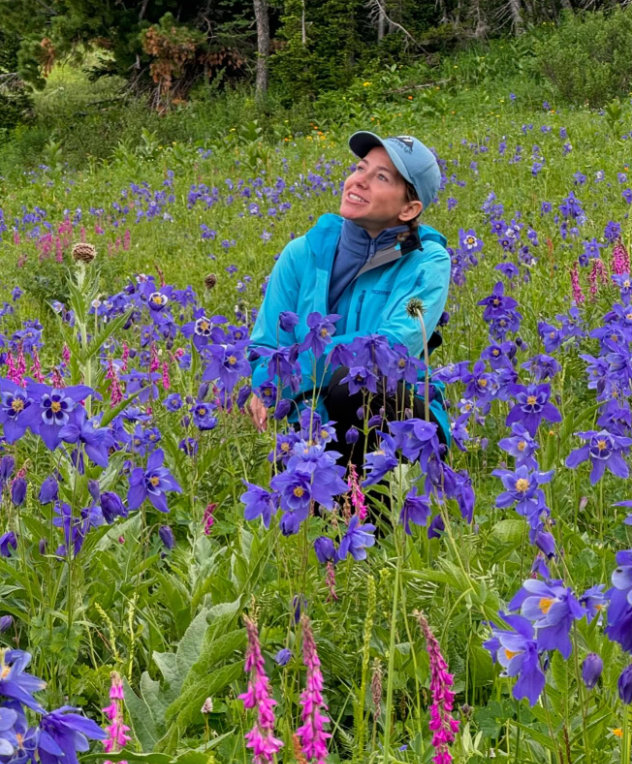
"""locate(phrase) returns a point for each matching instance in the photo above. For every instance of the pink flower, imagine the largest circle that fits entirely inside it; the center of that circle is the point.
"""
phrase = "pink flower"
(441, 723)
(209, 519)
(117, 731)
(311, 733)
(578, 295)
(357, 497)
(166, 382)
(261, 737)
(620, 259)
(125, 356)
(36, 368)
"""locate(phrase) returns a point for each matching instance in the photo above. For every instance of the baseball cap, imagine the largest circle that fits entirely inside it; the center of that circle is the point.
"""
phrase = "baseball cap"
(414, 161)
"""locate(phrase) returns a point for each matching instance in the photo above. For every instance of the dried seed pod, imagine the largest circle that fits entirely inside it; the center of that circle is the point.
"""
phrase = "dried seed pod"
(84, 253)
(210, 281)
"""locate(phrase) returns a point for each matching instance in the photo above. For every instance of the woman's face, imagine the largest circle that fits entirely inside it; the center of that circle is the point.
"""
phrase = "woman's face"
(374, 196)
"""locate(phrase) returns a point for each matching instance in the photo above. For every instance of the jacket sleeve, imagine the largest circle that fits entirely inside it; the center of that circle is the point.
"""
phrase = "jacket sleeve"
(281, 294)
(428, 281)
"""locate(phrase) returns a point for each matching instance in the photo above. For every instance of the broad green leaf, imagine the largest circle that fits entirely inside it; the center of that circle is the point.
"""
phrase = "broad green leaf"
(141, 718)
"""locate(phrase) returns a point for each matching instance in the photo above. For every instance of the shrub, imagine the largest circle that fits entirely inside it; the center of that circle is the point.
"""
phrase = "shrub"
(588, 60)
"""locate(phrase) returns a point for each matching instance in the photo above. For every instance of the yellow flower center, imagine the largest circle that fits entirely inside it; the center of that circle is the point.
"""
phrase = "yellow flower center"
(618, 732)
(401, 363)
(495, 351)
(155, 480)
(285, 447)
(298, 491)
(522, 484)
(232, 360)
(55, 407)
(5, 672)
(552, 335)
(522, 445)
(324, 434)
(532, 400)
(496, 302)
(204, 326)
(202, 411)
(614, 337)
(157, 299)
(509, 654)
(482, 382)
(546, 603)
(17, 405)
(324, 332)
(626, 284)
(628, 316)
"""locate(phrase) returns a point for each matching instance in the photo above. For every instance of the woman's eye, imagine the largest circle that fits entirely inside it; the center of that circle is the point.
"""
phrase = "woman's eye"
(382, 177)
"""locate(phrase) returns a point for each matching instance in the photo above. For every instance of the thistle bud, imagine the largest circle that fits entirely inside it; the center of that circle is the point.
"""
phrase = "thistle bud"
(210, 281)
(84, 253)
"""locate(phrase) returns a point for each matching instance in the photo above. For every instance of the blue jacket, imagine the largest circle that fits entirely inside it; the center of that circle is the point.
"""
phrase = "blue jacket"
(373, 303)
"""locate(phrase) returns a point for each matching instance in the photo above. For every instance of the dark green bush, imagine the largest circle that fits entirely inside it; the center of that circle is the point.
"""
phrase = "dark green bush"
(588, 60)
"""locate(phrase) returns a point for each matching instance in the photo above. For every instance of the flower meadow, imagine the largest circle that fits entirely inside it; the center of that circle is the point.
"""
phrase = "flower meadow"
(180, 586)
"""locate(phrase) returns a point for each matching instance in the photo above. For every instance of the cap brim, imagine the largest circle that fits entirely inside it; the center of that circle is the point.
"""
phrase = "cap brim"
(362, 142)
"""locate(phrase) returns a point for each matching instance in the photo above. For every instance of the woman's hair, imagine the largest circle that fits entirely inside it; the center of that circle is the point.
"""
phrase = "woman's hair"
(413, 225)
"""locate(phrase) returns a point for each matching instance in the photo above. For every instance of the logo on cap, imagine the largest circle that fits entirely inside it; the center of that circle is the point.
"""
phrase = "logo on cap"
(406, 141)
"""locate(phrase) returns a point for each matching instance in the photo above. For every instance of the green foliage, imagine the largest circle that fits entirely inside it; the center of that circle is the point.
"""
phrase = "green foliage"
(588, 59)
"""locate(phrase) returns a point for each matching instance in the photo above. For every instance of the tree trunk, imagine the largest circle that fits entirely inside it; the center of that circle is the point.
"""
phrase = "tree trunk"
(263, 47)
(303, 26)
(566, 5)
(380, 25)
(516, 17)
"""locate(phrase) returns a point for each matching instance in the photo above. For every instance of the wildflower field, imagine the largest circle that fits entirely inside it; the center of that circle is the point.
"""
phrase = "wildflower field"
(177, 586)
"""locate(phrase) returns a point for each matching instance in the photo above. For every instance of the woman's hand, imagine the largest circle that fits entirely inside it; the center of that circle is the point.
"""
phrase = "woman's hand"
(258, 412)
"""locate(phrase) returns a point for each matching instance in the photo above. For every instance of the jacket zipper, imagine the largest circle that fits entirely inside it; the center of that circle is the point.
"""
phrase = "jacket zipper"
(359, 309)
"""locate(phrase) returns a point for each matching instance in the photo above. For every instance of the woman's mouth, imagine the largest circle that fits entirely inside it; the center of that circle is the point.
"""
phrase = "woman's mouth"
(355, 198)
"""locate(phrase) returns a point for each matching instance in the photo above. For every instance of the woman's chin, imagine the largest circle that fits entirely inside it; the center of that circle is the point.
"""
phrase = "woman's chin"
(351, 211)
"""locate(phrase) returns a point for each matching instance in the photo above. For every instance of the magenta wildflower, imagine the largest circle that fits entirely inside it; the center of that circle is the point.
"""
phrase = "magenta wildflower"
(117, 731)
(311, 734)
(261, 737)
(36, 368)
(116, 391)
(578, 295)
(330, 579)
(357, 497)
(620, 259)
(209, 519)
(442, 722)
(166, 381)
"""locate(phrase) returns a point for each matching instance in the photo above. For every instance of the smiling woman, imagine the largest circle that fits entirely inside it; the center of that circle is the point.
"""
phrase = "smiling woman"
(359, 270)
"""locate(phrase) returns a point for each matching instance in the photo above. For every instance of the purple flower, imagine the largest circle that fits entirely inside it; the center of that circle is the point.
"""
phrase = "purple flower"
(416, 439)
(8, 541)
(517, 652)
(532, 406)
(18, 491)
(416, 509)
(173, 402)
(624, 685)
(283, 657)
(13, 409)
(356, 540)
(325, 549)
(381, 461)
(7, 464)
(521, 446)
(167, 537)
(228, 364)
(62, 734)
(288, 320)
(360, 378)
(15, 683)
(112, 506)
(259, 503)
(522, 487)
(497, 303)
(552, 608)
(592, 666)
(604, 450)
(202, 416)
(96, 440)
(320, 331)
(152, 483)
(53, 409)
(542, 367)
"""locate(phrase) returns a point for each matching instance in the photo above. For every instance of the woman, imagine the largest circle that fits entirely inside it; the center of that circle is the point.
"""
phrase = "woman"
(364, 265)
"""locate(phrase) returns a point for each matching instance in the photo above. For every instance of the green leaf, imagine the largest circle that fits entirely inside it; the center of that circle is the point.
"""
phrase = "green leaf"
(166, 662)
(510, 531)
(191, 643)
(139, 758)
(141, 718)
(102, 337)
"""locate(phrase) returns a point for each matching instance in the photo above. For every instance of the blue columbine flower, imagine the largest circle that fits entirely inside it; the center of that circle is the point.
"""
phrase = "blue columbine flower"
(517, 652)
(203, 417)
(152, 483)
(521, 446)
(228, 364)
(532, 406)
(356, 540)
(8, 541)
(63, 733)
(552, 608)
(381, 461)
(416, 439)
(604, 450)
(15, 683)
(259, 503)
(325, 549)
(619, 628)
(13, 409)
(173, 402)
(96, 440)
(283, 657)
(53, 409)
(523, 488)
(320, 332)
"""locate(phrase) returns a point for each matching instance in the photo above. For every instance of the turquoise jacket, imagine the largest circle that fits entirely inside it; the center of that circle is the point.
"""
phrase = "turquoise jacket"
(373, 303)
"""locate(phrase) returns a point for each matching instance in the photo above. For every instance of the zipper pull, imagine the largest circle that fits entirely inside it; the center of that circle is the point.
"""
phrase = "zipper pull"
(371, 248)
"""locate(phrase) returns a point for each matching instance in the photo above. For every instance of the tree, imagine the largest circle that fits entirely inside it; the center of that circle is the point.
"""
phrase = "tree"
(263, 46)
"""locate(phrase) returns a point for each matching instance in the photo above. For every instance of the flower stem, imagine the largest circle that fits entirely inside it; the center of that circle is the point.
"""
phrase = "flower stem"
(391, 655)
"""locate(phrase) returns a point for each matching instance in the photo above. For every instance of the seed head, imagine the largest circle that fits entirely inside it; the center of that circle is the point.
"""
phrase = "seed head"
(210, 281)
(207, 706)
(84, 253)
(415, 308)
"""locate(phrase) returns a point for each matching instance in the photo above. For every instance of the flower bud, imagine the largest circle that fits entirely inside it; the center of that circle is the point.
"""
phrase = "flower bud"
(95, 491)
(591, 670)
(18, 491)
(283, 657)
(282, 409)
(6, 622)
(167, 537)
(374, 421)
(625, 685)
(43, 543)
(112, 506)
(84, 253)
(352, 435)
(207, 706)
(49, 490)
(7, 463)
(324, 548)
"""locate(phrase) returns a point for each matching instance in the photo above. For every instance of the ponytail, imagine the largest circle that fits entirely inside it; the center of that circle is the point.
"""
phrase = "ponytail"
(413, 225)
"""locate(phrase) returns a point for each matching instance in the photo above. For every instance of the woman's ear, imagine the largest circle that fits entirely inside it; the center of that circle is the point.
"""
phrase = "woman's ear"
(410, 211)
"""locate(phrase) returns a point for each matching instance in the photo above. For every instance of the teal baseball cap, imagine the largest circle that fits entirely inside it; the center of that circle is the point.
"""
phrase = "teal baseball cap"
(414, 161)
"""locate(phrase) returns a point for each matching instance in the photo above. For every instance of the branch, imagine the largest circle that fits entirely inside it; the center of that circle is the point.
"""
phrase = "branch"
(377, 9)
(425, 86)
